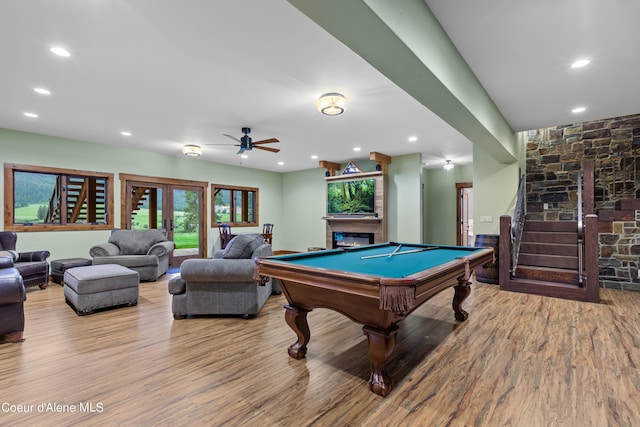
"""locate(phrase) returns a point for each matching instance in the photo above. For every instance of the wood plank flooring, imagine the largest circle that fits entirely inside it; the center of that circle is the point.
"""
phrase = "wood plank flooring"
(520, 360)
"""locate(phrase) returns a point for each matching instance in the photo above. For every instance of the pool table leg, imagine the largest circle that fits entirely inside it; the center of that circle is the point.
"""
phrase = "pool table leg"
(462, 291)
(296, 318)
(381, 344)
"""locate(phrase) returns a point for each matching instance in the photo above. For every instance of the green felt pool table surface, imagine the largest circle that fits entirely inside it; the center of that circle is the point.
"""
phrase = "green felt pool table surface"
(403, 263)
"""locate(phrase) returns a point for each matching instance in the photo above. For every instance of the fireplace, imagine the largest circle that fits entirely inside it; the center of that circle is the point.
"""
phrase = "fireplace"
(342, 239)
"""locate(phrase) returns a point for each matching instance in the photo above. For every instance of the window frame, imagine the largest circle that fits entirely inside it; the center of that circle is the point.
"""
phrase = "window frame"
(10, 225)
(215, 188)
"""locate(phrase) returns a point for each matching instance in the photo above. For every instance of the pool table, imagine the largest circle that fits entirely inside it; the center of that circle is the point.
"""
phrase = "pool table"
(375, 285)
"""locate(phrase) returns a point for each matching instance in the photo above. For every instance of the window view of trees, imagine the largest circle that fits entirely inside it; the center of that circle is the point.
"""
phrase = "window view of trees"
(236, 206)
(31, 196)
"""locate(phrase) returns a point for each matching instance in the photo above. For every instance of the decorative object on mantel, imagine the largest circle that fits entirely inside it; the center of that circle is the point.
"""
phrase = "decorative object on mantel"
(351, 168)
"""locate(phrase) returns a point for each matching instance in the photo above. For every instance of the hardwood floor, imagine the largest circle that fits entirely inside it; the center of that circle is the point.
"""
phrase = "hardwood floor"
(520, 360)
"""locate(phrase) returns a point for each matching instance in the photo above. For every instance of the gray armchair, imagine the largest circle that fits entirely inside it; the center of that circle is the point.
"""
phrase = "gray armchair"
(144, 251)
(224, 284)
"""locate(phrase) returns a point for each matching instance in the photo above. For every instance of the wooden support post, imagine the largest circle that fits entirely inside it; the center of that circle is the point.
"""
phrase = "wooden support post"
(589, 184)
(382, 159)
(591, 254)
(332, 168)
(504, 249)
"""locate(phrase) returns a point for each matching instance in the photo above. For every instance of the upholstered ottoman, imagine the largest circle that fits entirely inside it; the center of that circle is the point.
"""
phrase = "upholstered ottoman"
(100, 286)
(59, 266)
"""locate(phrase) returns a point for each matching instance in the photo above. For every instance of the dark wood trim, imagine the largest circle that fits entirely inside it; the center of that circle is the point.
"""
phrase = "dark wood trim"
(169, 183)
(588, 168)
(9, 168)
(459, 187)
(215, 188)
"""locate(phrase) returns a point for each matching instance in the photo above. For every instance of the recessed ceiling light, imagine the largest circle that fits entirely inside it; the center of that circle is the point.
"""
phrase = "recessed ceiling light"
(32, 115)
(580, 63)
(314, 157)
(578, 110)
(42, 91)
(60, 51)
(280, 163)
(412, 138)
(125, 133)
(356, 148)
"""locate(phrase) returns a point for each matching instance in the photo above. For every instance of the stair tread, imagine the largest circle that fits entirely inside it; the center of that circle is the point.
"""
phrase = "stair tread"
(546, 283)
(567, 270)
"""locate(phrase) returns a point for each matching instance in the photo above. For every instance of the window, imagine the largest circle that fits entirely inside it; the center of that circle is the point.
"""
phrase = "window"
(41, 198)
(237, 206)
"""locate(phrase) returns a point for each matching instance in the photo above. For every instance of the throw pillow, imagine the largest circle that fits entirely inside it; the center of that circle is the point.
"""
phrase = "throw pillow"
(11, 254)
(242, 246)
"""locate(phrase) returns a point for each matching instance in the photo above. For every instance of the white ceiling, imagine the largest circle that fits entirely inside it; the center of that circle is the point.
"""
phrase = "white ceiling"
(176, 72)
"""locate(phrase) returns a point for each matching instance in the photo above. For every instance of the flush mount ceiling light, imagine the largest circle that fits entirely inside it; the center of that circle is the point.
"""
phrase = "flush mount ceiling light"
(331, 104)
(448, 166)
(579, 110)
(191, 150)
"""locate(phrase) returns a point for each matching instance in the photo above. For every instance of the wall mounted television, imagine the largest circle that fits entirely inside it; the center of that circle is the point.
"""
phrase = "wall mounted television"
(356, 197)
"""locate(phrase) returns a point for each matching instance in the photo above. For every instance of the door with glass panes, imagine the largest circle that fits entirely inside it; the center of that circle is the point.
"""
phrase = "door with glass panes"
(176, 208)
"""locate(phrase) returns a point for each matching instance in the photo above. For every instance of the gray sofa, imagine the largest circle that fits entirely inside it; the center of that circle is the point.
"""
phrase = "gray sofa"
(224, 284)
(144, 251)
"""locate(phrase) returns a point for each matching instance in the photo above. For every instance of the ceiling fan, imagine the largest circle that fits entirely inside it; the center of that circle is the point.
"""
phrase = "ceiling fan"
(246, 144)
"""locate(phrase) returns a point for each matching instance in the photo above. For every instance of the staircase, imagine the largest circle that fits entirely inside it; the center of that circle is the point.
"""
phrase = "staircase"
(82, 200)
(552, 258)
(549, 252)
(548, 263)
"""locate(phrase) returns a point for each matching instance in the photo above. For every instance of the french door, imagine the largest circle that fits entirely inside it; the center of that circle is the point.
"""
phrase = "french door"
(174, 205)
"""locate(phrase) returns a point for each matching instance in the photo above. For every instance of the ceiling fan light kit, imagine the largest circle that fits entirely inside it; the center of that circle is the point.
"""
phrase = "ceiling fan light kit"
(331, 104)
(191, 150)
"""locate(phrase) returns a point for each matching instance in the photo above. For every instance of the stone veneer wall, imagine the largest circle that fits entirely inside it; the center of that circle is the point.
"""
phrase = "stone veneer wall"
(620, 255)
(553, 161)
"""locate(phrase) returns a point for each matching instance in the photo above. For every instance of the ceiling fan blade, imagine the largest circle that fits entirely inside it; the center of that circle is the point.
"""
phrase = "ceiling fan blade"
(273, 150)
(232, 137)
(240, 151)
(266, 141)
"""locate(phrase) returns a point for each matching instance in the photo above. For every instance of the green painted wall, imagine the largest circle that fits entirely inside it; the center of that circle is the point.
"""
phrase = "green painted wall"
(304, 204)
(495, 188)
(404, 201)
(41, 150)
(440, 202)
